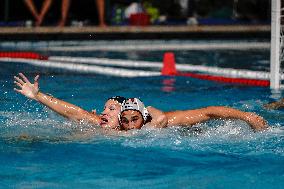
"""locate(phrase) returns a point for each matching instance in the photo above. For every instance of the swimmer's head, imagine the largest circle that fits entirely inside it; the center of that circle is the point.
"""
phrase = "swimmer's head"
(135, 104)
(119, 99)
(110, 115)
(133, 114)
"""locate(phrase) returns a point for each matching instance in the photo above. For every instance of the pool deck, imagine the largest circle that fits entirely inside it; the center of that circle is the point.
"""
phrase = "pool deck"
(134, 32)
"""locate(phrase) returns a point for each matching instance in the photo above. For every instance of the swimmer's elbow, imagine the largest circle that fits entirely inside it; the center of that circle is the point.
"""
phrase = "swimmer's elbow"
(256, 122)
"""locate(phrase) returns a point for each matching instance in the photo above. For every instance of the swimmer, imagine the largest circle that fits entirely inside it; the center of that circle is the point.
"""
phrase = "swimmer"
(134, 115)
(108, 119)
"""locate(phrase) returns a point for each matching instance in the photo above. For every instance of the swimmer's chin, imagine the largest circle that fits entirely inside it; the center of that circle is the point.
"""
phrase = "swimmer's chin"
(104, 125)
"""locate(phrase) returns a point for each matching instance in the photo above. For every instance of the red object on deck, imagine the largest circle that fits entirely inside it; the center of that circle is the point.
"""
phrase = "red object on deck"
(28, 55)
(169, 64)
(139, 19)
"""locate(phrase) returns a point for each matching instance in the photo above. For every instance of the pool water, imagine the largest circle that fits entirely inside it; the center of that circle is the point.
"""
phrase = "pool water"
(38, 148)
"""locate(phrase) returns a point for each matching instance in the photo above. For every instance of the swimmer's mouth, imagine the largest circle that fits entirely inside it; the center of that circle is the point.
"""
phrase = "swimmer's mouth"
(104, 120)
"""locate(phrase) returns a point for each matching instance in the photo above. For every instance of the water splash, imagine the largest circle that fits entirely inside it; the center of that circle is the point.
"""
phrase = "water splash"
(222, 136)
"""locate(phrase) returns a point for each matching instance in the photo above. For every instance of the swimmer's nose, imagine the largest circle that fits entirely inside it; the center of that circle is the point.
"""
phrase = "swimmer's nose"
(131, 124)
(126, 126)
(104, 112)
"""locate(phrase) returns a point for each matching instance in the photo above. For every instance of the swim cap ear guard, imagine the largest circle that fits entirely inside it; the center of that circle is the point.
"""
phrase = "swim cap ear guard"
(135, 104)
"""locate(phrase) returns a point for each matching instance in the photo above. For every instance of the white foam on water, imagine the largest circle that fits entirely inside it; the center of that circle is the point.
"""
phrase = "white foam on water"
(222, 136)
(42, 126)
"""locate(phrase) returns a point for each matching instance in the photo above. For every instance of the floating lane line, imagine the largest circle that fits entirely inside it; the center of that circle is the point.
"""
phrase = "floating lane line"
(91, 65)
(84, 68)
(107, 61)
(153, 47)
(228, 72)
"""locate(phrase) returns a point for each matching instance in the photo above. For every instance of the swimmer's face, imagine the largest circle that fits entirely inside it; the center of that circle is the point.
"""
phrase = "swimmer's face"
(109, 117)
(131, 119)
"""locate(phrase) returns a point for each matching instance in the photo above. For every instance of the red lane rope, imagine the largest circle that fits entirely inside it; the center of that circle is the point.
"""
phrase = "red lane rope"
(169, 68)
(28, 55)
(251, 82)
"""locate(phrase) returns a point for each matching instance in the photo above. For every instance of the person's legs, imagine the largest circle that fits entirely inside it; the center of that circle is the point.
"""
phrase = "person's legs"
(64, 12)
(101, 12)
(30, 4)
(44, 9)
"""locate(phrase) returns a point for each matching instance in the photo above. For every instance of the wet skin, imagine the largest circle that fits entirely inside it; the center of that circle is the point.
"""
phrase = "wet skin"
(131, 119)
(109, 117)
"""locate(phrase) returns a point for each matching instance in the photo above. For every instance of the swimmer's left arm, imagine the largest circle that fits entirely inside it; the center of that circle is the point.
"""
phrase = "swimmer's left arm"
(159, 119)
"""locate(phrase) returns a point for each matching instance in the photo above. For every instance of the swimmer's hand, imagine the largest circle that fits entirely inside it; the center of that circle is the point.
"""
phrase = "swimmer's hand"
(26, 88)
(257, 122)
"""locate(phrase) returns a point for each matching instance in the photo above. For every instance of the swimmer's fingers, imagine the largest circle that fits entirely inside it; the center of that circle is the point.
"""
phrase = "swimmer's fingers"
(264, 123)
(18, 90)
(259, 122)
(36, 81)
(24, 78)
(18, 84)
(19, 80)
(36, 78)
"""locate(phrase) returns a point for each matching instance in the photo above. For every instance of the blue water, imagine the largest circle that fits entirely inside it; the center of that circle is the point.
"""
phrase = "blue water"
(38, 148)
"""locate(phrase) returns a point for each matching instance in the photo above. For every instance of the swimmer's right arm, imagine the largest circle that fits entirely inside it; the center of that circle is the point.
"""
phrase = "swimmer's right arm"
(159, 119)
(63, 108)
(66, 109)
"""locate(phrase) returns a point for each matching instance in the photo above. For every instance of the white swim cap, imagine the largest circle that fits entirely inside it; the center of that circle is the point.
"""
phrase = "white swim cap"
(135, 104)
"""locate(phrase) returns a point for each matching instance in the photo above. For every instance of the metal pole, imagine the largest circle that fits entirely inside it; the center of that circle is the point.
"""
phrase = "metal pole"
(275, 44)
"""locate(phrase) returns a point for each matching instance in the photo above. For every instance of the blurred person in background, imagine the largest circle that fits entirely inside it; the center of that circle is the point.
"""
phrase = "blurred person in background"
(82, 13)
(101, 12)
(40, 15)
(188, 8)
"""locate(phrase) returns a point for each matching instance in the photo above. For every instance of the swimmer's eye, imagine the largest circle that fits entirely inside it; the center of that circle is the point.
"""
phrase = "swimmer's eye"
(124, 120)
(135, 119)
(112, 108)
